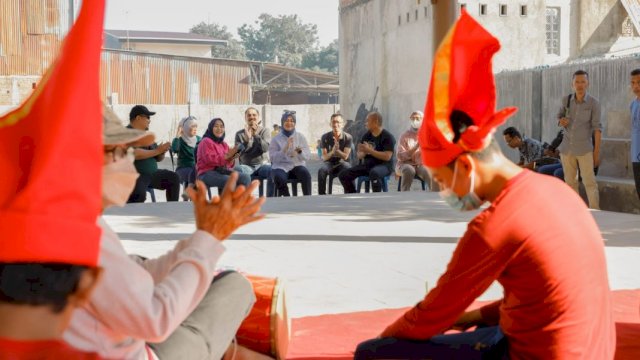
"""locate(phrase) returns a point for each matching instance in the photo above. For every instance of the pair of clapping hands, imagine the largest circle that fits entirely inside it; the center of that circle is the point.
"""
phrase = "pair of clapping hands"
(225, 213)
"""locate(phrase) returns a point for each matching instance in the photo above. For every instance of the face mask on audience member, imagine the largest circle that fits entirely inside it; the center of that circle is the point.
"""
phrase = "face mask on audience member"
(118, 180)
(467, 202)
(415, 124)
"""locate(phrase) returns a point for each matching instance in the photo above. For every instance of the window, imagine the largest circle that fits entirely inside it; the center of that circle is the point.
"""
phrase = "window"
(523, 10)
(416, 16)
(503, 10)
(483, 9)
(426, 12)
(408, 17)
(399, 20)
(552, 29)
(627, 27)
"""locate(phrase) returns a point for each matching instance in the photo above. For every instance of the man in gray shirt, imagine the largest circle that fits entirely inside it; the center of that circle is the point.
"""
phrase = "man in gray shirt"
(579, 115)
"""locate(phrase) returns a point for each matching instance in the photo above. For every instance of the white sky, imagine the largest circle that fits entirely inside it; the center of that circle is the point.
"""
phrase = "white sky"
(181, 15)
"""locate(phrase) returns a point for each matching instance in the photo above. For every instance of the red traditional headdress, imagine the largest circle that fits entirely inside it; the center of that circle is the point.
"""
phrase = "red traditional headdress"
(461, 79)
(51, 157)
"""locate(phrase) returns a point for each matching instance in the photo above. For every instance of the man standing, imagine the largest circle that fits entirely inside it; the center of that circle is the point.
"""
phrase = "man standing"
(336, 149)
(147, 159)
(376, 150)
(635, 128)
(530, 149)
(552, 308)
(254, 140)
(579, 115)
(409, 158)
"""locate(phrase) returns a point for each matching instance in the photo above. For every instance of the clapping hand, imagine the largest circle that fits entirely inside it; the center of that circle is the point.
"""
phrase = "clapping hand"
(224, 214)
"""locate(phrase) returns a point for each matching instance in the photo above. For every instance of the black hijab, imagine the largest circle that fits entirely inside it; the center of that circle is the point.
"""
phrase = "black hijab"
(209, 133)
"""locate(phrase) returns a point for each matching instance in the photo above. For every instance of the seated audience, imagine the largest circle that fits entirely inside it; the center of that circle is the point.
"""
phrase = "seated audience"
(289, 152)
(336, 149)
(147, 159)
(530, 149)
(215, 159)
(409, 164)
(376, 152)
(184, 145)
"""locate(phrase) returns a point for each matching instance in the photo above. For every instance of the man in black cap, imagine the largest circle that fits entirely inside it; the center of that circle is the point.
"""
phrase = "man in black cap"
(147, 159)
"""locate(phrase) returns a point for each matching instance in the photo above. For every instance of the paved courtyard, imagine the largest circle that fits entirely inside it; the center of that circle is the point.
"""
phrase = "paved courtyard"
(345, 253)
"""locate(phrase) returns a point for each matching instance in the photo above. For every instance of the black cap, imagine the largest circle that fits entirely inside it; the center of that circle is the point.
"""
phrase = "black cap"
(139, 110)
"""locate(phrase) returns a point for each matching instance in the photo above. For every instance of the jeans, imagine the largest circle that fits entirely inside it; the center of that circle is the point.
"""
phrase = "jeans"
(570, 165)
(212, 178)
(482, 343)
(207, 332)
(162, 180)
(187, 174)
(329, 169)
(261, 172)
(636, 176)
(300, 173)
(375, 174)
(553, 170)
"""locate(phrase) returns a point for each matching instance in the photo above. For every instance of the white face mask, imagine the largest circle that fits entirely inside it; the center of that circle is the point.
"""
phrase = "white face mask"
(415, 124)
(118, 180)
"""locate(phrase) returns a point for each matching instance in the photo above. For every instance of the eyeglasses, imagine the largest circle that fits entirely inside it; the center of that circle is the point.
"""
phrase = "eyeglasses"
(289, 112)
(119, 152)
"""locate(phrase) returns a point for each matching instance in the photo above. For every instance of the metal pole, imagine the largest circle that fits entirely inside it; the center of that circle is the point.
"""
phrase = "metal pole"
(444, 15)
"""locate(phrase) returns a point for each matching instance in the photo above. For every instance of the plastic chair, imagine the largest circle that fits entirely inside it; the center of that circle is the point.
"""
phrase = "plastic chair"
(294, 187)
(152, 194)
(331, 178)
(367, 183)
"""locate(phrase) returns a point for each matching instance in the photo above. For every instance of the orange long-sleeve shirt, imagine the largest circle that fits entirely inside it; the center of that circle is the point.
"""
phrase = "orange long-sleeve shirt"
(539, 241)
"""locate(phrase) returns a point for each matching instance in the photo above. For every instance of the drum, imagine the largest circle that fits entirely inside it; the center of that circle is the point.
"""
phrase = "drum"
(267, 327)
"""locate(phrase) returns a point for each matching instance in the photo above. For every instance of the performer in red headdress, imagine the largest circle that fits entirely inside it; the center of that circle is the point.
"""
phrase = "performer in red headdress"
(556, 302)
(50, 238)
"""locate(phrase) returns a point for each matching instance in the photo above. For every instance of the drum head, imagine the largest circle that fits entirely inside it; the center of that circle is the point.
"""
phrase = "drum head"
(280, 322)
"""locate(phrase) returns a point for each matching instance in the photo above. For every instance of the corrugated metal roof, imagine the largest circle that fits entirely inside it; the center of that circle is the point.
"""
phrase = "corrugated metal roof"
(163, 36)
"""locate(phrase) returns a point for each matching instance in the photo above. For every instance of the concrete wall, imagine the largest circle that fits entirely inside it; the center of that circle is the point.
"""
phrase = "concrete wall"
(313, 120)
(14, 89)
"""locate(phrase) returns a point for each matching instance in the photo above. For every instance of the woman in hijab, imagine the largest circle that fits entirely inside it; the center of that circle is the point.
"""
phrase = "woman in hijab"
(214, 158)
(289, 152)
(185, 144)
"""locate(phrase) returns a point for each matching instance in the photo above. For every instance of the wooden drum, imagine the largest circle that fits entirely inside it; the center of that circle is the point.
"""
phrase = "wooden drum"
(267, 327)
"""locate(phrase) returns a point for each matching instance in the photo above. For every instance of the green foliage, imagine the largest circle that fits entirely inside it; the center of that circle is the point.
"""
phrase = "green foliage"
(234, 49)
(284, 39)
(323, 59)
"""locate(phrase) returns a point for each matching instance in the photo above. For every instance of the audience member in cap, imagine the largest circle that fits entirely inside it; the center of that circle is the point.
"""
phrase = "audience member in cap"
(254, 141)
(557, 302)
(185, 144)
(409, 163)
(289, 152)
(335, 147)
(375, 149)
(146, 163)
(216, 160)
(170, 307)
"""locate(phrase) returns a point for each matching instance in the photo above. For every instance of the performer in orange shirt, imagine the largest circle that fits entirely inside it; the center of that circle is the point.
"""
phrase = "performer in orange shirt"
(556, 302)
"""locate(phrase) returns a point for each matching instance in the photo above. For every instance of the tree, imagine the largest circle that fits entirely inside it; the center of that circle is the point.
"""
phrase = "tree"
(324, 59)
(284, 39)
(234, 49)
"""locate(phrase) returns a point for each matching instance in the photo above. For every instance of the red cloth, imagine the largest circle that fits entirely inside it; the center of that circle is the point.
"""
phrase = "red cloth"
(51, 163)
(552, 267)
(461, 79)
(41, 350)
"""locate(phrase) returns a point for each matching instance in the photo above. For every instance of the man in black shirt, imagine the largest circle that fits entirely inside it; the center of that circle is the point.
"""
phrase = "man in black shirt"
(336, 149)
(375, 150)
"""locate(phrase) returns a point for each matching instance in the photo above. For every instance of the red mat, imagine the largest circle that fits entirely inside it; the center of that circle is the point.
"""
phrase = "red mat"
(336, 336)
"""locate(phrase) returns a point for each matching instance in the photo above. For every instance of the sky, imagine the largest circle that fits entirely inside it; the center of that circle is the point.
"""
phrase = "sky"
(181, 15)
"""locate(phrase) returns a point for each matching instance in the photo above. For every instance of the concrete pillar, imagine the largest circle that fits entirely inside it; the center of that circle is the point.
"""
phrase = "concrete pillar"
(444, 15)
